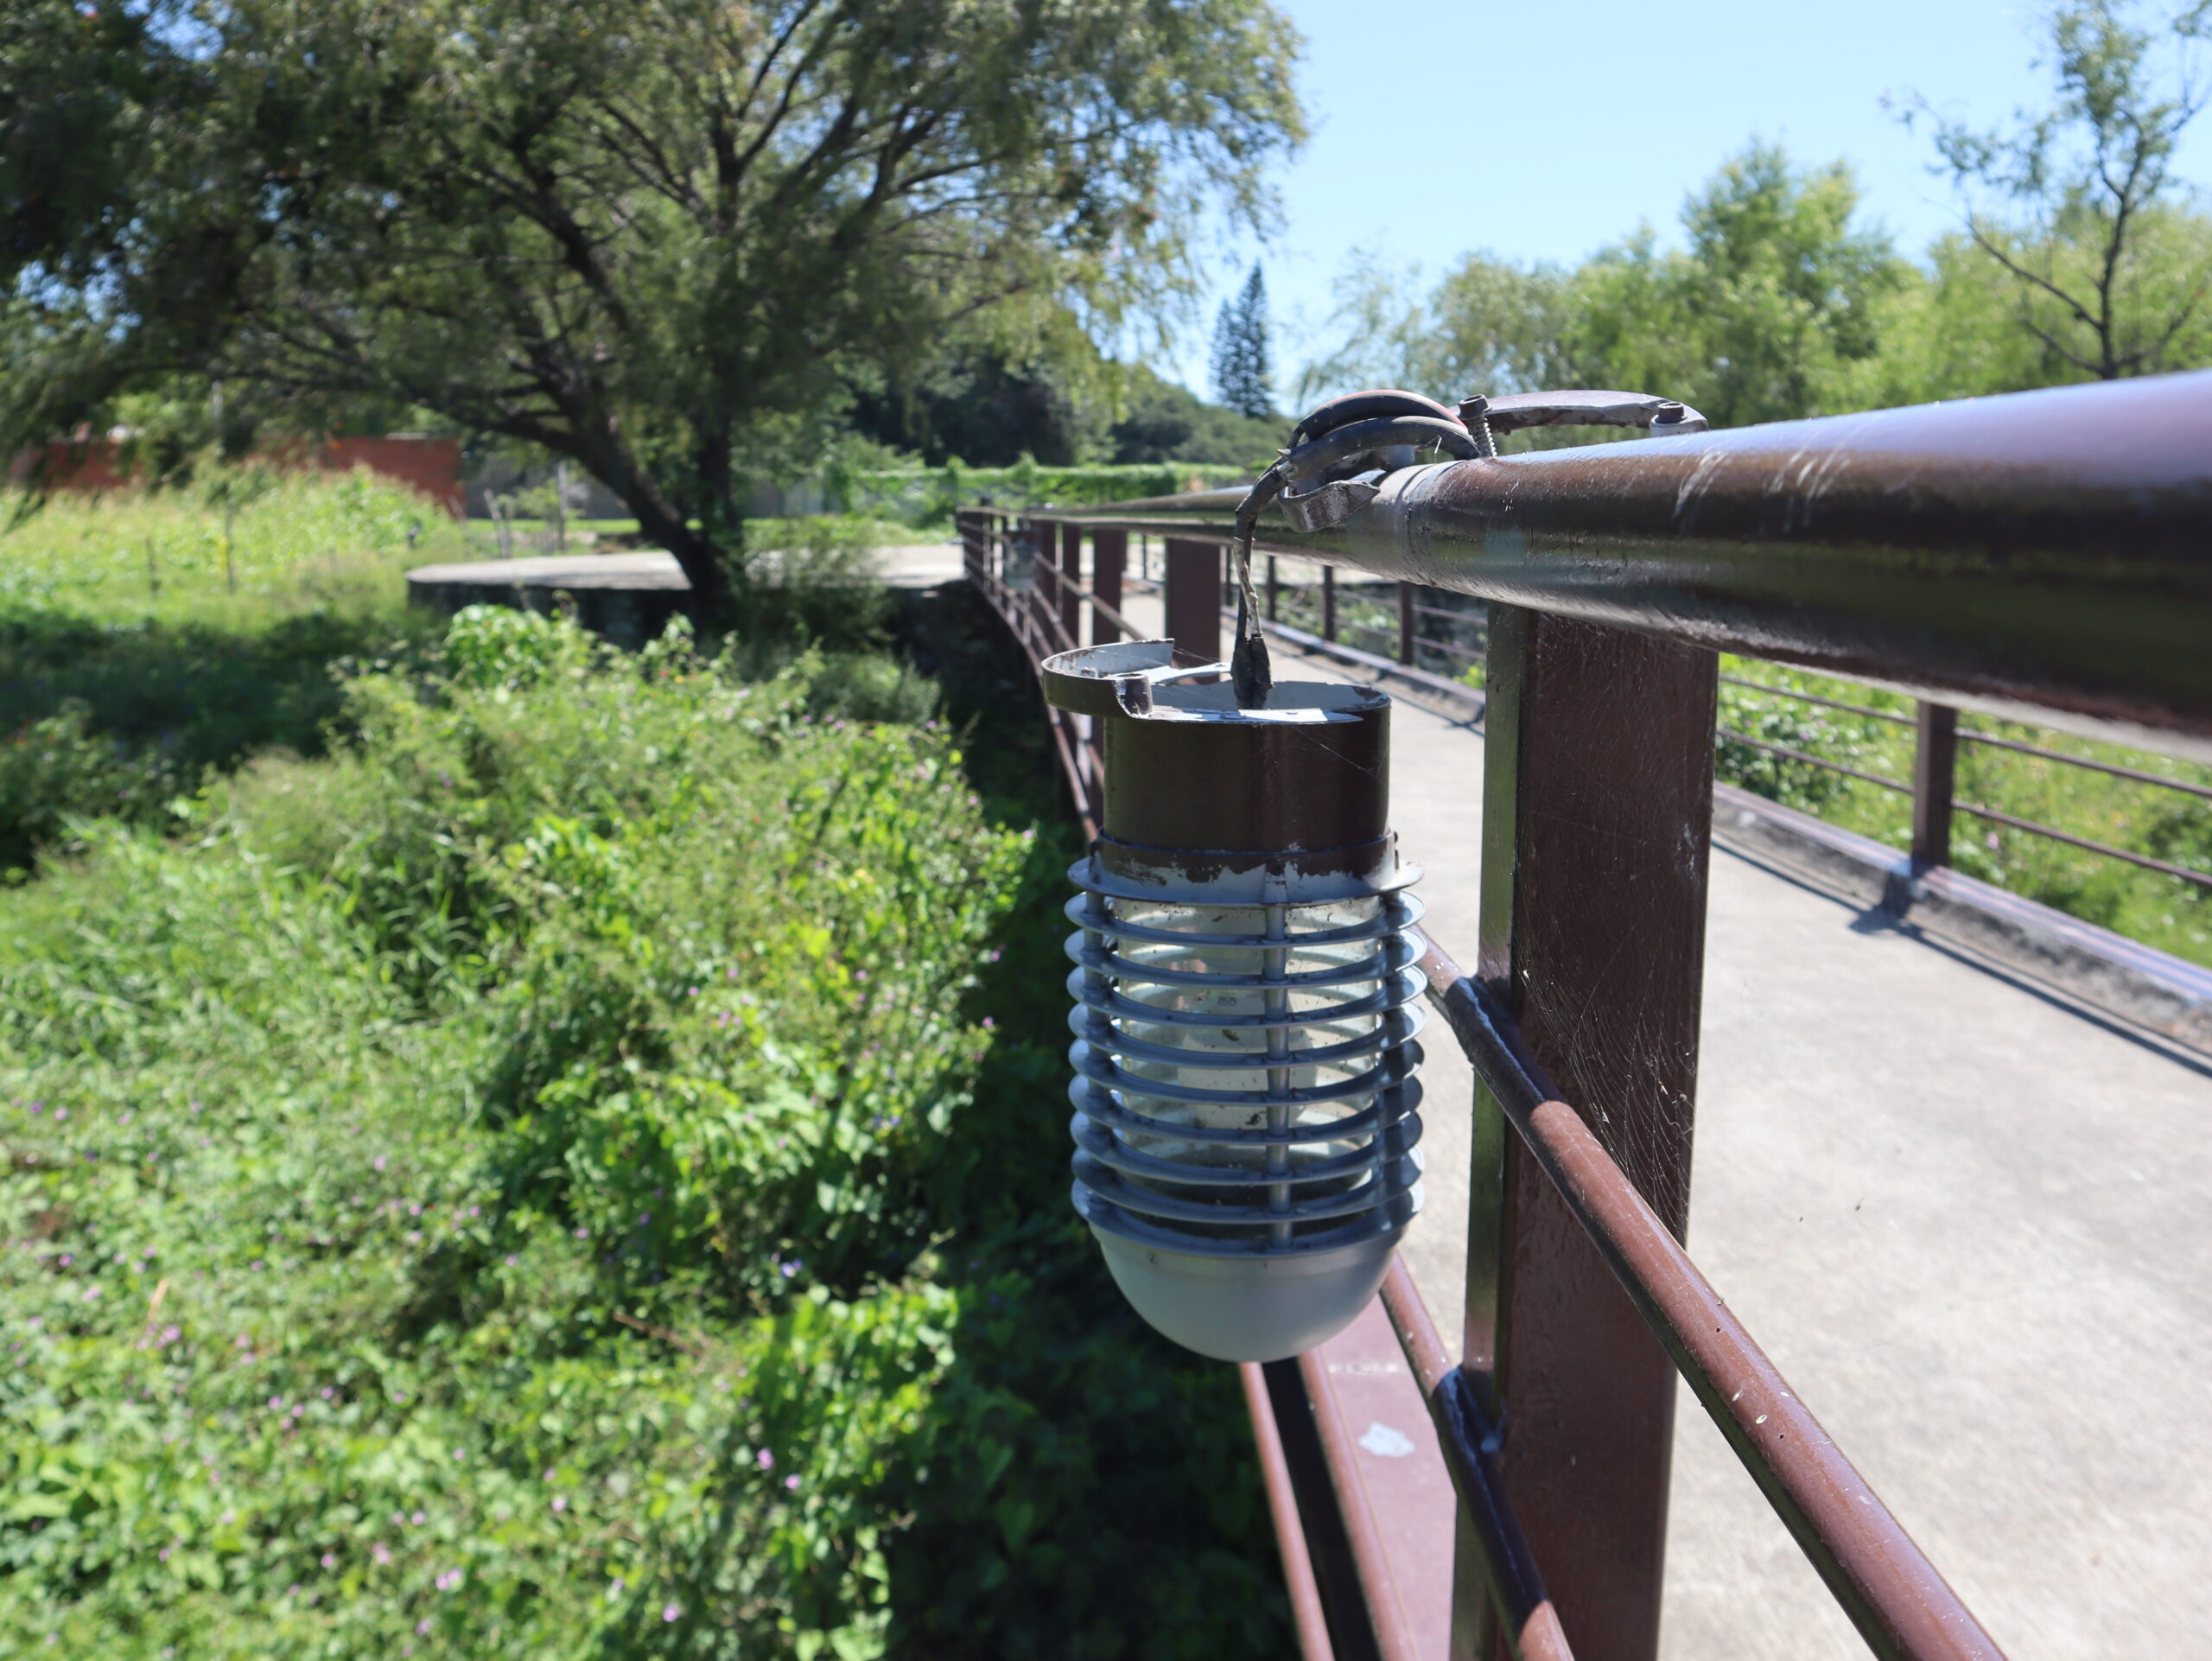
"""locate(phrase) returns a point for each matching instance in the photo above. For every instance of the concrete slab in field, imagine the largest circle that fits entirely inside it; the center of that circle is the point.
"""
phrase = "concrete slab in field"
(647, 571)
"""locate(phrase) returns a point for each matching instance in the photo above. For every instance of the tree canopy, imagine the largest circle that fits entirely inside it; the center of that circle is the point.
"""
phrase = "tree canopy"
(1763, 314)
(657, 237)
(2077, 204)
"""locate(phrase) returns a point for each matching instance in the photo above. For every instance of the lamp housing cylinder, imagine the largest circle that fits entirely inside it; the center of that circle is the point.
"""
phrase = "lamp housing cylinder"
(1244, 1002)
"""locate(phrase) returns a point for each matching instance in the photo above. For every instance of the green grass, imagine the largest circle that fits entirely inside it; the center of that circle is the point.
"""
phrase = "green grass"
(123, 687)
(2161, 911)
(560, 1159)
(297, 543)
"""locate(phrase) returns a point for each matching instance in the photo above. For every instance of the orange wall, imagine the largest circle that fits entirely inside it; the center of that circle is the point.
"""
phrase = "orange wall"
(429, 465)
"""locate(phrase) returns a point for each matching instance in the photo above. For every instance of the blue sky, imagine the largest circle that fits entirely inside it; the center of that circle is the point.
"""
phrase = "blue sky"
(1547, 130)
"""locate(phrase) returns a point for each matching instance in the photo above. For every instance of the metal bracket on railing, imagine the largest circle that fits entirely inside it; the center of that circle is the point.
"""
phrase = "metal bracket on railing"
(1341, 451)
(1663, 416)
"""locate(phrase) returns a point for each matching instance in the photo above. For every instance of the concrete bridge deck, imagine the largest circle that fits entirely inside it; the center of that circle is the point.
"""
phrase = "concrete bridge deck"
(1970, 1220)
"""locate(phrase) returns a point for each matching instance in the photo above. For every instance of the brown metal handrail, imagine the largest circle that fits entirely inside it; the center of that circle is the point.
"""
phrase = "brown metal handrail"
(2086, 506)
(1901, 1605)
(2089, 509)
(1897, 1600)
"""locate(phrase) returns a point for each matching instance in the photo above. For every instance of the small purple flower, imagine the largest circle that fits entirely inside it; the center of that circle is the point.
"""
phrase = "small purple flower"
(418, 1519)
(765, 1460)
(560, 1502)
(330, 1560)
(381, 1552)
(512, 1260)
(988, 1023)
(791, 1483)
(423, 1626)
(669, 1613)
(380, 1161)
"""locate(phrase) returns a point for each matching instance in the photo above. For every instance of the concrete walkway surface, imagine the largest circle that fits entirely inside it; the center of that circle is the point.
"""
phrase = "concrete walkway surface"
(1970, 1222)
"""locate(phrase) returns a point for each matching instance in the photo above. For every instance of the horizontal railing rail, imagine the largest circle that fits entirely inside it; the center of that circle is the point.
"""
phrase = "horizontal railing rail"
(1869, 546)
(1901, 1605)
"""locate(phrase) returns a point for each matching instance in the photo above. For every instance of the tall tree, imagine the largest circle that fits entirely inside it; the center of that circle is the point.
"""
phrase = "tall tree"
(1490, 325)
(651, 236)
(1243, 364)
(1769, 312)
(2076, 204)
(1778, 294)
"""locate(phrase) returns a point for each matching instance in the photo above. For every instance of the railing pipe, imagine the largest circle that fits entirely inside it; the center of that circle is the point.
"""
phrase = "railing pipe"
(1904, 1609)
(1878, 546)
(1305, 1611)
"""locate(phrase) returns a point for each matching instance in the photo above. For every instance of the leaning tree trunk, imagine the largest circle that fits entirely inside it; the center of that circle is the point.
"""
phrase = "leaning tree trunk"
(696, 552)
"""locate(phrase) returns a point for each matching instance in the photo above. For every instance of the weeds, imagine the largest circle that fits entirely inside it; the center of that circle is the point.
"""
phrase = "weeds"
(573, 1173)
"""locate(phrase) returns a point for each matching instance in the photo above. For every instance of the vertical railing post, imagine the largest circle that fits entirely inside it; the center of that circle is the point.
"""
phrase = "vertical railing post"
(1274, 592)
(1935, 765)
(969, 532)
(1110, 553)
(1405, 622)
(1071, 580)
(1032, 533)
(1193, 604)
(1596, 814)
(1328, 602)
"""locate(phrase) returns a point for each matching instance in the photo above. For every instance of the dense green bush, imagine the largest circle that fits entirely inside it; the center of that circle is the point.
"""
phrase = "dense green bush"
(577, 1173)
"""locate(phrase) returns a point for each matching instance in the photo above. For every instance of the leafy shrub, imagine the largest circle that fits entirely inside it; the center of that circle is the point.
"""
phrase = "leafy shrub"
(541, 1181)
(1787, 723)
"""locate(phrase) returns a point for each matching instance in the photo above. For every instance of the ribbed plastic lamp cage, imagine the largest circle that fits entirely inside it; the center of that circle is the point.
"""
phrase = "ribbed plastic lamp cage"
(1245, 1002)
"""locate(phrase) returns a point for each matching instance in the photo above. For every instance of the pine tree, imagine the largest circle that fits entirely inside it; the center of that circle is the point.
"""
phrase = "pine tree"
(1243, 370)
